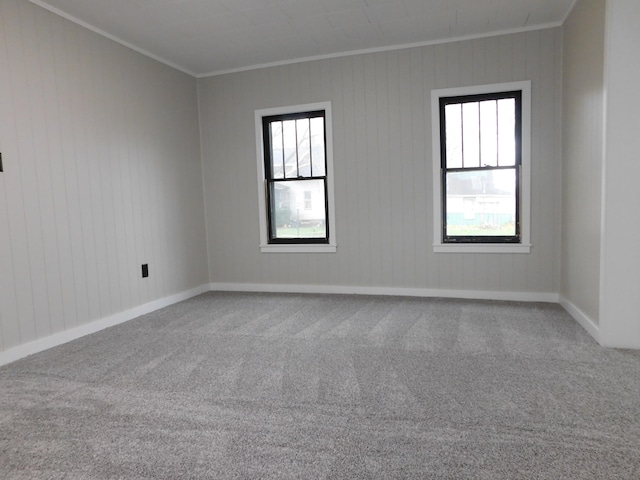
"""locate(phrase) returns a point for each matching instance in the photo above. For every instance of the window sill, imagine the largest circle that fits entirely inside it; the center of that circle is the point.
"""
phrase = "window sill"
(331, 248)
(481, 248)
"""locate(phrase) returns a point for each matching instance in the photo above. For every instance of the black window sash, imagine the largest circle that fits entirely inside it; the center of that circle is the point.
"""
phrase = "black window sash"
(272, 208)
(444, 101)
(270, 180)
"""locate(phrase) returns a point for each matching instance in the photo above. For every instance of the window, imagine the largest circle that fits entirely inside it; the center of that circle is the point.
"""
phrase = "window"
(481, 168)
(295, 174)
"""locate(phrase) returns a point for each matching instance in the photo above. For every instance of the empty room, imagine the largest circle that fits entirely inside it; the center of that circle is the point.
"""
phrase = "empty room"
(325, 239)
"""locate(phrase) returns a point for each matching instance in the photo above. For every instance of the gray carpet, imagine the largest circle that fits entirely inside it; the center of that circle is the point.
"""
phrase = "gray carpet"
(275, 386)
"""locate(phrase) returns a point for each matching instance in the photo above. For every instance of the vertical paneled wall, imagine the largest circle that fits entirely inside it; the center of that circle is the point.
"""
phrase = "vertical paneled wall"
(583, 123)
(382, 160)
(619, 320)
(102, 173)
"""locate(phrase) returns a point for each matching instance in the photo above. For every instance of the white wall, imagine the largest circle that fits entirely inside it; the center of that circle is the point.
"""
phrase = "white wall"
(620, 261)
(382, 159)
(102, 173)
(582, 131)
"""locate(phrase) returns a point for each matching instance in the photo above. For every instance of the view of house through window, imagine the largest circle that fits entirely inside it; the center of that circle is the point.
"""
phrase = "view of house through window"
(480, 159)
(295, 171)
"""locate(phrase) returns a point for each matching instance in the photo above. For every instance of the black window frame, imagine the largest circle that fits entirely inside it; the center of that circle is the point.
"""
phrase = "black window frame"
(272, 239)
(472, 98)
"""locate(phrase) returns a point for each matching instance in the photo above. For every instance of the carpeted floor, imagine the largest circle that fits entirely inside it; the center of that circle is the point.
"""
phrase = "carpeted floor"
(276, 386)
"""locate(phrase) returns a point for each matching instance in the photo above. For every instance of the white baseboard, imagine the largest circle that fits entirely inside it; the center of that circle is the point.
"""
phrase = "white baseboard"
(391, 291)
(582, 318)
(21, 351)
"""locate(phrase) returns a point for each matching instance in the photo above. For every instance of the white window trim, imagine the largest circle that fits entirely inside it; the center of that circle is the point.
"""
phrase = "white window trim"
(265, 247)
(525, 171)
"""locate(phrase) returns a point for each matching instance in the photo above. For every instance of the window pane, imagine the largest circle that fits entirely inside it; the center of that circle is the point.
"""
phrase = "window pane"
(471, 134)
(276, 150)
(290, 151)
(453, 119)
(291, 217)
(506, 132)
(317, 147)
(304, 147)
(489, 133)
(481, 203)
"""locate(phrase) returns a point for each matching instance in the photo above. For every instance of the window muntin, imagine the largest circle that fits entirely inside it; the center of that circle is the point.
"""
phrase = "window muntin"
(481, 157)
(295, 169)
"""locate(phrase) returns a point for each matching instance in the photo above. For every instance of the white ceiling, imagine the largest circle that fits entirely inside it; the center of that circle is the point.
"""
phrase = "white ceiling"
(204, 37)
